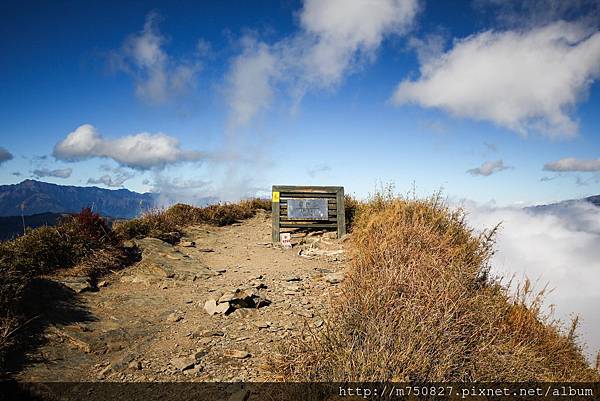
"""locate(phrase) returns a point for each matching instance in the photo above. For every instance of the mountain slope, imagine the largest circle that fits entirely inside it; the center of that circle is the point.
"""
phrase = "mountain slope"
(42, 197)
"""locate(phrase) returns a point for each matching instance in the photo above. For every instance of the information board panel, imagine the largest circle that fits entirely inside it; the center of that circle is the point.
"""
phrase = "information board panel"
(296, 207)
(307, 209)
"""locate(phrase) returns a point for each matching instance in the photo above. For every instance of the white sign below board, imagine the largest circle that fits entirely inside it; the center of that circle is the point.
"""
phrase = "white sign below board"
(286, 240)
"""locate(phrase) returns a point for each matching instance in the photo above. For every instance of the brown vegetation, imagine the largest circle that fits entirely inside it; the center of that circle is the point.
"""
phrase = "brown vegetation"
(419, 305)
(157, 223)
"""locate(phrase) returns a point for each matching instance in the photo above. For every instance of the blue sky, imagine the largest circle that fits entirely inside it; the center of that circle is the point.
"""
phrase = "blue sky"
(486, 100)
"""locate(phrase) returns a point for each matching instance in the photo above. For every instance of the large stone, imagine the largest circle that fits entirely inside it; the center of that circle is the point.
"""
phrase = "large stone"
(222, 307)
(210, 307)
(162, 259)
(77, 284)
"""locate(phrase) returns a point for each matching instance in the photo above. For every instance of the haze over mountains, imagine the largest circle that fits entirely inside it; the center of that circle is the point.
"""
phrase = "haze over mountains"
(42, 197)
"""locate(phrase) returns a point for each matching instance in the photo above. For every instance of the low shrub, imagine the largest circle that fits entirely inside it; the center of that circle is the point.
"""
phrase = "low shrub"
(418, 304)
(156, 223)
(82, 243)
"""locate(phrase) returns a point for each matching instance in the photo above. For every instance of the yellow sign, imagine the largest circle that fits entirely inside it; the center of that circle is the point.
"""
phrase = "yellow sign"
(275, 196)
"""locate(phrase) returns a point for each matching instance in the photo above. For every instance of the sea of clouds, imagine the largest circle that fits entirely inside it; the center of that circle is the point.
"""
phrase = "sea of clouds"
(556, 245)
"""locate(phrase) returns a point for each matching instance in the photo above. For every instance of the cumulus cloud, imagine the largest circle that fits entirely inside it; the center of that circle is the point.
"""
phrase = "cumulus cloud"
(158, 77)
(5, 155)
(558, 245)
(141, 151)
(573, 164)
(57, 173)
(335, 37)
(489, 168)
(524, 80)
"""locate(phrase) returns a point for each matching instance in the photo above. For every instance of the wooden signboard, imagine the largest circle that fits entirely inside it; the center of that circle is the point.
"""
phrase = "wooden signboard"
(308, 207)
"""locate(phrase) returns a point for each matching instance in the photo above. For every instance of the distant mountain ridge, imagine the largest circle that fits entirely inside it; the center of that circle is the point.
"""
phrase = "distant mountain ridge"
(42, 197)
(594, 200)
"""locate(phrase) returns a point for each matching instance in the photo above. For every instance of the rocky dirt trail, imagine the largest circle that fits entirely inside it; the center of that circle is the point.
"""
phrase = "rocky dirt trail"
(210, 308)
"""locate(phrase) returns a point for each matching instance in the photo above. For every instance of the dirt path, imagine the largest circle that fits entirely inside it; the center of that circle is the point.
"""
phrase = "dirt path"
(149, 322)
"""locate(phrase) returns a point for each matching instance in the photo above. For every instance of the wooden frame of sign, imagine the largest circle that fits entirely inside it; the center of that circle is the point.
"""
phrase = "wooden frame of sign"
(307, 207)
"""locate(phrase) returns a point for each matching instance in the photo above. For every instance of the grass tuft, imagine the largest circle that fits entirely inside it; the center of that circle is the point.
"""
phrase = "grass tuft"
(418, 304)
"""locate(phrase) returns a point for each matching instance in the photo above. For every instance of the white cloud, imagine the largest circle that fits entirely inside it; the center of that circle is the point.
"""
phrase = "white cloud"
(5, 155)
(139, 151)
(173, 190)
(116, 180)
(488, 168)
(525, 80)
(558, 245)
(335, 37)
(158, 77)
(58, 173)
(249, 81)
(573, 164)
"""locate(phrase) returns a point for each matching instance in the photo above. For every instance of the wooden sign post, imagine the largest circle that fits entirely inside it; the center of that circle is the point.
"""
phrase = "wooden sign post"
(308, 207)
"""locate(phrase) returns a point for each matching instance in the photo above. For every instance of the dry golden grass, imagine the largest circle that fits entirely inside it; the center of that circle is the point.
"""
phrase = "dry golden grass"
(418, 304)
(157, 222)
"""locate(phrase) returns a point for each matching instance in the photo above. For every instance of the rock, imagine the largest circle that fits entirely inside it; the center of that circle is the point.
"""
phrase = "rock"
(171, 238)
(221, 271)
(241, 313)
(222, 307)
(174, 317)
(318, 323)
(207, 333)
(227, 297)
(206, 250)
(305, 313)
(183, 363)
(330, 235)
(122, 363)
(262, 325)
(335, 278)
(104, 372)
(237, 354)
(292, 278)
(198, 355)
(210, 307)
(135, 365)
(102, 284)
(77, 284)
(187, 244)
(240, 395)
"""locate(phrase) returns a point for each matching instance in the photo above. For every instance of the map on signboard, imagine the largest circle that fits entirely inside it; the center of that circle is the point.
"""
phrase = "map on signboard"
(307, 209)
